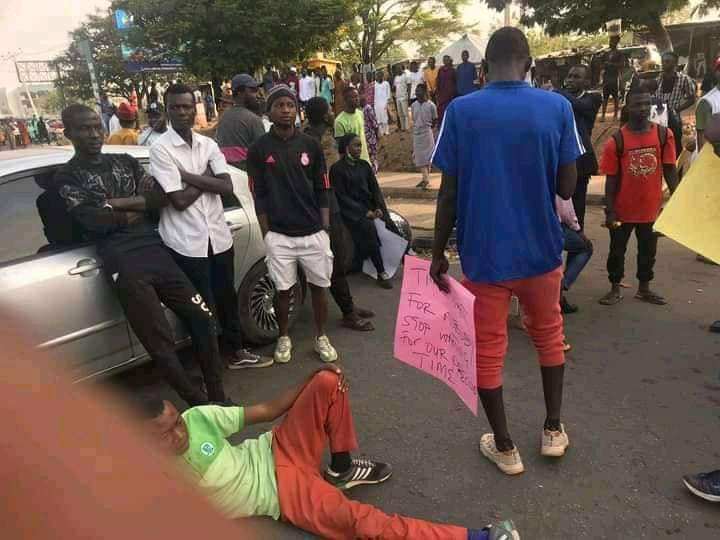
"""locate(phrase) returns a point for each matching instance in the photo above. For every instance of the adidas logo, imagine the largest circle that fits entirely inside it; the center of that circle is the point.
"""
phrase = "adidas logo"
(270, 160)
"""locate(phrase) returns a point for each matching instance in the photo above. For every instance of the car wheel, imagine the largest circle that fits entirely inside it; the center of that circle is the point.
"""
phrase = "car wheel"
(402, 224)
(256, 296)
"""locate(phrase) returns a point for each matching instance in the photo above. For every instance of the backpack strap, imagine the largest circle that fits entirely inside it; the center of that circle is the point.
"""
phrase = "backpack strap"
(619, 149)
(619, 143)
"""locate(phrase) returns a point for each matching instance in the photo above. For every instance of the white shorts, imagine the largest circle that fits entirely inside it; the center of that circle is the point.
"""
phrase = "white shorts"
(311, 252)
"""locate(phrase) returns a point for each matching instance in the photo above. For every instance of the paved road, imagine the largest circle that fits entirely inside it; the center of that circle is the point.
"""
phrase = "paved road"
(641, 408)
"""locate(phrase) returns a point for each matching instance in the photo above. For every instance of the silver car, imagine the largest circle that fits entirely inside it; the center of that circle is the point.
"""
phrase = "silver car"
(60, 288)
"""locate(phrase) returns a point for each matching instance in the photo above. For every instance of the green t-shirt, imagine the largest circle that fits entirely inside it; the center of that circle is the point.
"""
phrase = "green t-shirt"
(353, 123)
(240, 480)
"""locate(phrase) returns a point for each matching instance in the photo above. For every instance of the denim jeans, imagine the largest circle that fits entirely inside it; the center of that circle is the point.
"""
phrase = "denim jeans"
(579, 254)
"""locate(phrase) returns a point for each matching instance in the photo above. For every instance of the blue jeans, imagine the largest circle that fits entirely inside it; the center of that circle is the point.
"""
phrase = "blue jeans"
(579, 254)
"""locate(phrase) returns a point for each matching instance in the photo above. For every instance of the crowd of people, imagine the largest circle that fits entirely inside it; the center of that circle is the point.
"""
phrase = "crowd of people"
(316, 193)
(186, 264)
(478, 148)
(19, 133)
(385, 97)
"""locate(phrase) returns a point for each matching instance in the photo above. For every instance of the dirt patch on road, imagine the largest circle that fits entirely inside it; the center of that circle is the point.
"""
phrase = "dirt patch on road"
(395, 152)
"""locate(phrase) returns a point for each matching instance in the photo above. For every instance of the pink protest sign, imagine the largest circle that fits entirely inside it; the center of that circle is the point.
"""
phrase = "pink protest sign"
(435, 331)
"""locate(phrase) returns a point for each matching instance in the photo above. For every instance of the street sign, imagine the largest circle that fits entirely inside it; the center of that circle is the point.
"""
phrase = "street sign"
(35, 71)
(142, 59)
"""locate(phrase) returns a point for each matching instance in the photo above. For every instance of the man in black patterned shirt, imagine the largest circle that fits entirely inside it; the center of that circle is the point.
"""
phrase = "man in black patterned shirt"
(109, 195)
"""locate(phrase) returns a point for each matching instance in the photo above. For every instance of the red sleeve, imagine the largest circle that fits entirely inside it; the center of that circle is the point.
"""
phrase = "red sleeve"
(609, 164)
(669, 152)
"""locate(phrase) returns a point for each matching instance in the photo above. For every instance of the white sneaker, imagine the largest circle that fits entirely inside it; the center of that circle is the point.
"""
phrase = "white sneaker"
(283, 350)
(508, 462)
(326, 351)
(554, 443)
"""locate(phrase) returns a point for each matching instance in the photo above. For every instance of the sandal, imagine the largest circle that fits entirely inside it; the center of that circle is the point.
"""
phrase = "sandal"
(358, 324)
(611, 298)
(651, 298)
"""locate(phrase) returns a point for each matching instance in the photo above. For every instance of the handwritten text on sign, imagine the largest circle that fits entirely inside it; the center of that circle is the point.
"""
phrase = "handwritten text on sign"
(435, 331)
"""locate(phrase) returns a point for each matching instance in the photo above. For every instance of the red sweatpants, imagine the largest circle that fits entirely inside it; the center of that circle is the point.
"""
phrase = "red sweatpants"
(307, 501)
(540, 299)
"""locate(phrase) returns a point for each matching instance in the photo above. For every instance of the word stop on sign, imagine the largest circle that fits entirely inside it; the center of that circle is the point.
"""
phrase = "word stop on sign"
(435, 331)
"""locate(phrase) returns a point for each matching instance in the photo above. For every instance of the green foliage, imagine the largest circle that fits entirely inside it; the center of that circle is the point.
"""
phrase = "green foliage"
(218, 38)
(53, 102)
(541, 43)
(566, 16)
(99, 30)
(378, 26)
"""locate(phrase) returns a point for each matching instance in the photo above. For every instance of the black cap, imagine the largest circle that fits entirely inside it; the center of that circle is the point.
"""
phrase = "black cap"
(243, 80)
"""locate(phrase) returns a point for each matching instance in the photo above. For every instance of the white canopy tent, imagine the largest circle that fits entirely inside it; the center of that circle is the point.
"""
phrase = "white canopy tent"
(455, 50)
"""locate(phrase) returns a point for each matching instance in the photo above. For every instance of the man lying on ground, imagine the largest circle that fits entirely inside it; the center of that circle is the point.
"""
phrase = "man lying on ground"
(278, 474)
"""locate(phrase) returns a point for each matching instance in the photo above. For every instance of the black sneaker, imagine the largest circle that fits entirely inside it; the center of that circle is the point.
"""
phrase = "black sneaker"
(384, 281)
(243, 359)
(361, 471)
(704, 485)
(566, 307)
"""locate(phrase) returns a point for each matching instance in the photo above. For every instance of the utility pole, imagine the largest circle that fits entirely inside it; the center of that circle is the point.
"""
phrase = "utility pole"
(84, 47)
(60, 88)
(507, 12)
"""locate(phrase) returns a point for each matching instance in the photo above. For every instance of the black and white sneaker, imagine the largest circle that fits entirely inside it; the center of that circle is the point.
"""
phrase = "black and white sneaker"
(243, 359)
(361, 471)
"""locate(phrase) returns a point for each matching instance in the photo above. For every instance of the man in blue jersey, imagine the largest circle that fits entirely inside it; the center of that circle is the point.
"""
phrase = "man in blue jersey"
(505, 153)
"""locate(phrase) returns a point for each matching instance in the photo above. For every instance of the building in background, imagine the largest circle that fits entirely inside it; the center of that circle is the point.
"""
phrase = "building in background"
(4, 103)
(697, 43)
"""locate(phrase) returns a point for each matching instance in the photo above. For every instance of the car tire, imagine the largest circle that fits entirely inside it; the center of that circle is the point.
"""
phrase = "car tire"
(256, 307)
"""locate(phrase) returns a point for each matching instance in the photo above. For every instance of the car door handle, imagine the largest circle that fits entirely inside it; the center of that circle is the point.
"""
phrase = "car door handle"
(83, 266)
(234, 226)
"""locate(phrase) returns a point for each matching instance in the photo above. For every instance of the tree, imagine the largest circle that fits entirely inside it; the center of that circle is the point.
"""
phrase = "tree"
(564, 16)
(379, 25)
(53, 102)
(541, 43)
(99, 30)
(218, 38)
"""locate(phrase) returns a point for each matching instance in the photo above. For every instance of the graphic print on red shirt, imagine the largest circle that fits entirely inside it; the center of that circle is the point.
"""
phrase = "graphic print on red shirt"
(639, 195)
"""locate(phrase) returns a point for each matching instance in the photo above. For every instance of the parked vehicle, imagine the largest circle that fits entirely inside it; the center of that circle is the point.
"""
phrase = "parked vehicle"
(66, 298)
(63, 292)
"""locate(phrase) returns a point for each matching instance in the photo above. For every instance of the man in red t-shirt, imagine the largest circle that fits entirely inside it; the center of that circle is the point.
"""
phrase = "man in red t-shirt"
(635, 161)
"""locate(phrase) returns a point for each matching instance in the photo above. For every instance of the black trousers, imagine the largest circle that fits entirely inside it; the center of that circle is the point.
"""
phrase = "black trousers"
(647, 249)
(339, 286)
(367, 243)
(214, 278)
(148, 276)
(579, 198)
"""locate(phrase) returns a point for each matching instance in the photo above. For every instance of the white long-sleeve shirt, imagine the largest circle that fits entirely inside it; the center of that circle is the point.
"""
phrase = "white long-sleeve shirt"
(307, 88)
(382, 94)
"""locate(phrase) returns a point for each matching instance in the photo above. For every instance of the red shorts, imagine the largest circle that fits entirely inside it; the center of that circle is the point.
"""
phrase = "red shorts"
(540, 298)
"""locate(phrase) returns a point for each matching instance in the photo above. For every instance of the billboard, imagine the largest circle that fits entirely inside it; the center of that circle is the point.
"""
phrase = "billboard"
(148, 58)
(34, 71)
